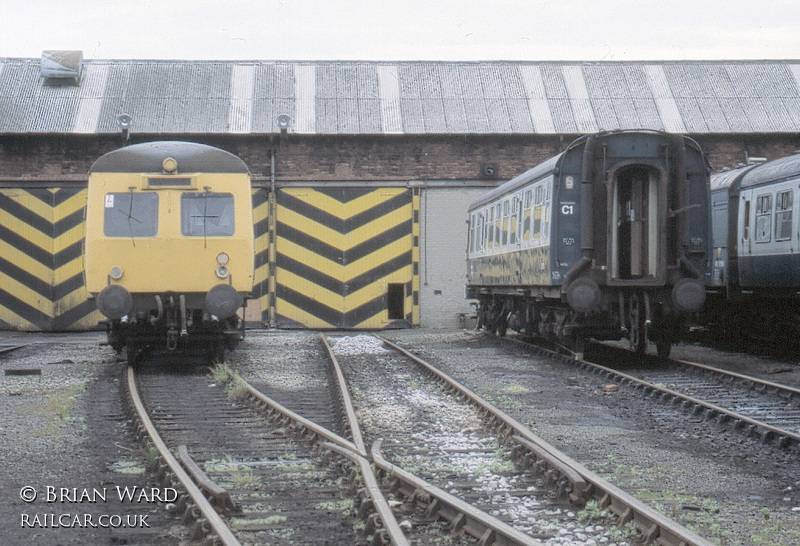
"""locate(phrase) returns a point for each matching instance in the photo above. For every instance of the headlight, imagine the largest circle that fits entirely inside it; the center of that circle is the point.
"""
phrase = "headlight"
(222, 272)
(116, 273)
(222, 258)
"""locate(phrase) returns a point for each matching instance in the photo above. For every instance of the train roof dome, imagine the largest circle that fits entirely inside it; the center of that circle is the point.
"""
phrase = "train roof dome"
(520, 180)
(149, 157)
(725, 179)
(772, 171)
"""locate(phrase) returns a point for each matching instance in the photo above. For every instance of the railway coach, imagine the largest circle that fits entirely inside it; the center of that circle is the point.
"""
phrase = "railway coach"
(609, 239)
(755, 287)
(169, 245)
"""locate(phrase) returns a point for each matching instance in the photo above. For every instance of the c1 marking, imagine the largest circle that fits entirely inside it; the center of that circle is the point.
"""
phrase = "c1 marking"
(567, 209)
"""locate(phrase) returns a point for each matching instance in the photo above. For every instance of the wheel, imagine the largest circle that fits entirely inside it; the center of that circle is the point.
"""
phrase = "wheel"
(637, 335)
(663, 348)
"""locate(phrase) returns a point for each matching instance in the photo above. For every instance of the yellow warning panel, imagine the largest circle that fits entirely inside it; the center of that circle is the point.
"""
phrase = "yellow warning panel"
(344, 258)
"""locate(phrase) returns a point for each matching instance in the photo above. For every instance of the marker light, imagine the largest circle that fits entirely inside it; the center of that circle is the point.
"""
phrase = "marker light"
(116, 273)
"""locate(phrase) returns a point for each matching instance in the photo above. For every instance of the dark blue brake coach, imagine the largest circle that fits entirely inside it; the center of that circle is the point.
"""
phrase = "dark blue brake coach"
(610, 239)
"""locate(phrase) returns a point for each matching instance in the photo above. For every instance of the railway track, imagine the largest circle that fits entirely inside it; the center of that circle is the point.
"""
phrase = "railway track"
(765, 410)
(482, 441)
(480, 506)
(719, 475)
(265, 485)
(379, 523)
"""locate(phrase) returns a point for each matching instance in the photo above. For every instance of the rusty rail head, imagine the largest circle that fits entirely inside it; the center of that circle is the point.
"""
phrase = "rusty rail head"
(218, 526)
(347, 402)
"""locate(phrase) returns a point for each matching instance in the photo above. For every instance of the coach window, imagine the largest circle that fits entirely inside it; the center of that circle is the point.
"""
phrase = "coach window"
(505, 222)
(131, 215)
(518, 217)
(498, 214)
(746, 227)
(471, 247)
(546, 213)
(490, 215)
(207, 214)
(512, 222)
(763, 218)
(783, 215)
(526, 223)
(537, 213)
(477, 232)
(482, 235)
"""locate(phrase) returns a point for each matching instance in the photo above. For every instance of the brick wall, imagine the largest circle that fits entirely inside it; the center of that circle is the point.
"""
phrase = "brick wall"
(355, 158)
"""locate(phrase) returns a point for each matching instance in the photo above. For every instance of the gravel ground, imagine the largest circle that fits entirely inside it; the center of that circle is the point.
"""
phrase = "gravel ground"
(64, 435)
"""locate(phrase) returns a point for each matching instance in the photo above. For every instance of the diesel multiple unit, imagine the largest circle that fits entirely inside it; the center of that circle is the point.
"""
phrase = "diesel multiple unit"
(169, 245)
(609, 239)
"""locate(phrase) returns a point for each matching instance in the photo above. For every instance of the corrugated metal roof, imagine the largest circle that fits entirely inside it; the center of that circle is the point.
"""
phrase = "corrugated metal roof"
(344, 97)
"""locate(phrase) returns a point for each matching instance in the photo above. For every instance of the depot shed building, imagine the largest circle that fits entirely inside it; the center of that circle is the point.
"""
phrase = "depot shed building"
(372, 164)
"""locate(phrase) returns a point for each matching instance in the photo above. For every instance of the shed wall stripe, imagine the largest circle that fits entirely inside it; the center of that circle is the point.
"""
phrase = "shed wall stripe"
(90, 100)
(665, 102)
(240, 112)
(389, 90)
(305, 90)
(795, 69)
(541, 115)
(579, 99)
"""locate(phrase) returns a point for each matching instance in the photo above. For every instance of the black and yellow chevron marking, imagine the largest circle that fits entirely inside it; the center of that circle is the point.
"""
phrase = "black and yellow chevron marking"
(324, 260)
(338, 252)
(262, 232)
(41, 262)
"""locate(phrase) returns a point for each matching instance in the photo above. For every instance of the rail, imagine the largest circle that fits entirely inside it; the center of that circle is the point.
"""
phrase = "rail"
(217, 525)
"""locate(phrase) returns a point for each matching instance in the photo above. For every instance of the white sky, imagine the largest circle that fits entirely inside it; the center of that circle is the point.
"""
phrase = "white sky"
(527, 30)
